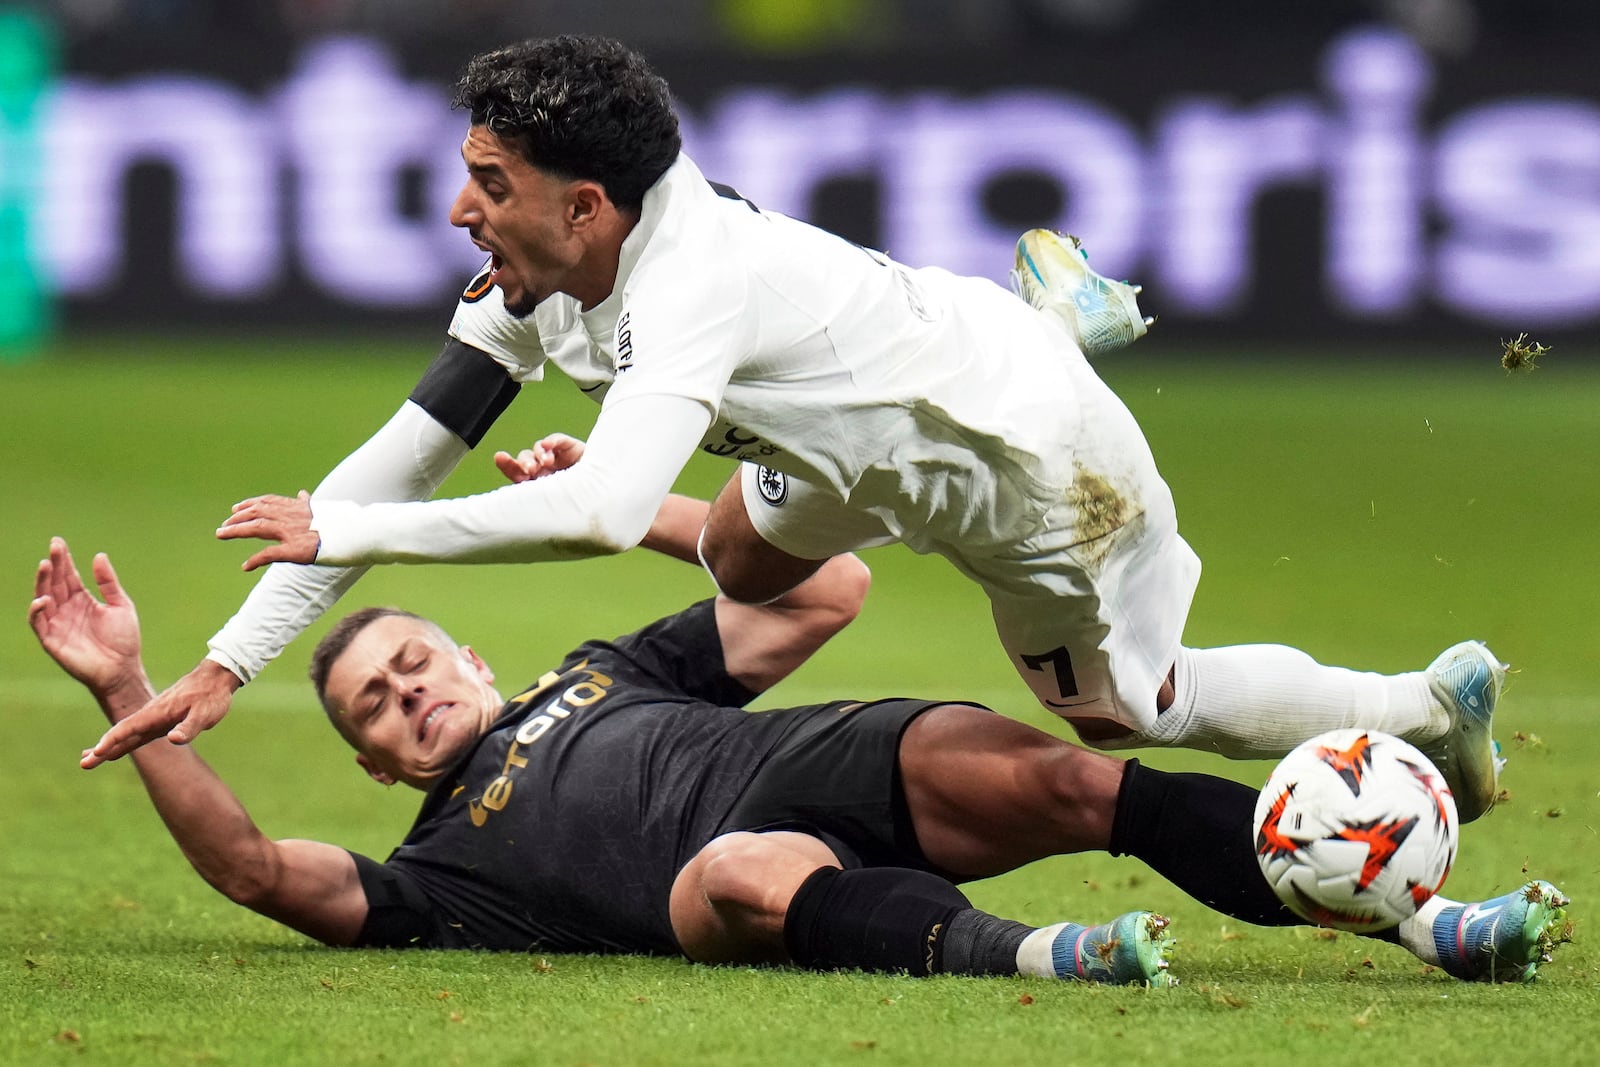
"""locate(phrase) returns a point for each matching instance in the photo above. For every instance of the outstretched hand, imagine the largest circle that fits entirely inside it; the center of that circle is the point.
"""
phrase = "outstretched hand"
(286, 520)
(97, 643)
(549, 454)
(193, 704)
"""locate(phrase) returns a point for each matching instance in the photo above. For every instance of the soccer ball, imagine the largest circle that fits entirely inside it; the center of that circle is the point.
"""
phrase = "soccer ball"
(1355, 830)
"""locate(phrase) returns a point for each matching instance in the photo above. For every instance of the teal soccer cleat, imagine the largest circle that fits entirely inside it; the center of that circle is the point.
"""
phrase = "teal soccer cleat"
(1504, 939)
(1053, 275)
(1129, 950)
(1467, 680)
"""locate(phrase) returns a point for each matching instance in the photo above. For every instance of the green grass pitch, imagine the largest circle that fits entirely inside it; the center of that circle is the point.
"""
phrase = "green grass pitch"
(1372, 512)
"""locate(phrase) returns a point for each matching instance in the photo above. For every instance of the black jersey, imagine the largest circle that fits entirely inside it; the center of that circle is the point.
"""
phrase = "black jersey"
(564, 827)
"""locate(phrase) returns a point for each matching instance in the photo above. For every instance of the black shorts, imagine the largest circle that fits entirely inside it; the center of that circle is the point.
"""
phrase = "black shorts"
(836, 776)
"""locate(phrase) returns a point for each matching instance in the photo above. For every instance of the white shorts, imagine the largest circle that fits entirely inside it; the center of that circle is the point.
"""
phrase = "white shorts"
(804, 521)
(1091, 607)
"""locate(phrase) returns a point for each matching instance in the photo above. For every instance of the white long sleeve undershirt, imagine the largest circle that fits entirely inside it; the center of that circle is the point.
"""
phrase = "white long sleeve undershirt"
(601, 505)
(406, 459)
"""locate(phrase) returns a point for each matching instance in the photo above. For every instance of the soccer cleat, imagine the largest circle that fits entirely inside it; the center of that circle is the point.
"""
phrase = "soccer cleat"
(1053, 274)
(1129, 950)
(1504, 939)
(1467, 679)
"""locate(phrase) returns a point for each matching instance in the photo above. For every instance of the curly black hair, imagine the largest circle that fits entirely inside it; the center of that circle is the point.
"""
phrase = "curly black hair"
(578, 107)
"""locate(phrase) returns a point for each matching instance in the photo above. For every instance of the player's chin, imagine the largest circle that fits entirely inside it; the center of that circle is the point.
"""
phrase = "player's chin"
(519, 302)
(446, 746)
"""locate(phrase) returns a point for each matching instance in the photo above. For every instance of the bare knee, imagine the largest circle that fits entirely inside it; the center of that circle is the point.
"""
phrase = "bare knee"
(732, 876)
(728, 904)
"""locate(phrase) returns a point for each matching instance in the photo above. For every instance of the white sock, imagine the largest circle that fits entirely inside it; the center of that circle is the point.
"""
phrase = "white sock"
(1260, 701)
(1036, 955)
(1416, 933)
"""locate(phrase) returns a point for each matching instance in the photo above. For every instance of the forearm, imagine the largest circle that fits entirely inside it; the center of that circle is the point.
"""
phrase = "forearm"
(405, 460)
(210, 826)
(676, 528)
(602, 505)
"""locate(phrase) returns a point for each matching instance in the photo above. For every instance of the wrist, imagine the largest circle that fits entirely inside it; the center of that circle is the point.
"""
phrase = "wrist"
(125, 694)
(212, 673)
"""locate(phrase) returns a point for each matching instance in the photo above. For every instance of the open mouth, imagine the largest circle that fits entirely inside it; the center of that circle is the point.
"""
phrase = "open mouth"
(428, 719)
(495, 262)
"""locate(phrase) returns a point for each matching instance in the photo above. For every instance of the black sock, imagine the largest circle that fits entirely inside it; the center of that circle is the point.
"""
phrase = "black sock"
(975, 942)
(1194, 829)
(872, 919)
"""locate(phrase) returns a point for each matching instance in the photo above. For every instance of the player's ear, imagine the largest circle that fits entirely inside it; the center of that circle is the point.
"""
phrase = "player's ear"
(586, 202)
(477, 662)
(382, 777)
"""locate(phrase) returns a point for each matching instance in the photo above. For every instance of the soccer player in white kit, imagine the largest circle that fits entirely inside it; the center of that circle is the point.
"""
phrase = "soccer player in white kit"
(868, 402)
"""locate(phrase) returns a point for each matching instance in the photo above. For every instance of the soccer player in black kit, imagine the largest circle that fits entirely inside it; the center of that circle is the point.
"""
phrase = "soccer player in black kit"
(626, 803)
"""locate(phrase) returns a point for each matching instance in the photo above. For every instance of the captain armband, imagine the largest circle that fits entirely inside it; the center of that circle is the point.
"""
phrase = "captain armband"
(464, 390)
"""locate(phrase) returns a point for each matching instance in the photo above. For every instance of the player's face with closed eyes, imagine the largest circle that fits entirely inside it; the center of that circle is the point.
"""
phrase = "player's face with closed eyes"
(409, 699)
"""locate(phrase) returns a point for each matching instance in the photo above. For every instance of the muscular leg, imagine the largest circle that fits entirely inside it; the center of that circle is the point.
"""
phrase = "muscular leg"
(745, 567)
(768, 532)
(781, 897)
(728, 903)
(987, 794)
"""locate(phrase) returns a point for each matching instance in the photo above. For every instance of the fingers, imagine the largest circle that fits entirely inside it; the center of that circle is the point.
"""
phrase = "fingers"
(42, 579)
(523, 467)
(57, 576)
(185, 731)
(264, 507)
(135, 731)
(67, 582)
(507, 464)
(565, 449)
(244, 511)
(237, 527)
(40, 611)
(270, 518)
(270, 554)
(193, 725)
(555, 452)
(105, 576)
(42, 607)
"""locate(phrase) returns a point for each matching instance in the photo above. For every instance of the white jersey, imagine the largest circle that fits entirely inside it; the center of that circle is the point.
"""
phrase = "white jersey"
(943, 406)
(937, 402)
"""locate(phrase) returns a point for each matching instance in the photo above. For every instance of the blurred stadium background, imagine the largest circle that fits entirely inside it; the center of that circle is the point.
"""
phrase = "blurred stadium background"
(1414, 169)
(224, 259)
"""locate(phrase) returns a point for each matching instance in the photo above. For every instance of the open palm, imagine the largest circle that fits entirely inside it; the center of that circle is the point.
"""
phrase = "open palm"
(97, 643)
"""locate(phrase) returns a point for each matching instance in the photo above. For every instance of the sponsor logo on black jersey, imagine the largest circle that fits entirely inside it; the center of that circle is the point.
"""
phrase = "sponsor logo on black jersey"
(773, 484)
(590, 688)
(479, 286)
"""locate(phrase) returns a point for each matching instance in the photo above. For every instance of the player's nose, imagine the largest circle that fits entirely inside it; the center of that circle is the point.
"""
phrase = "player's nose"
(463, 210)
